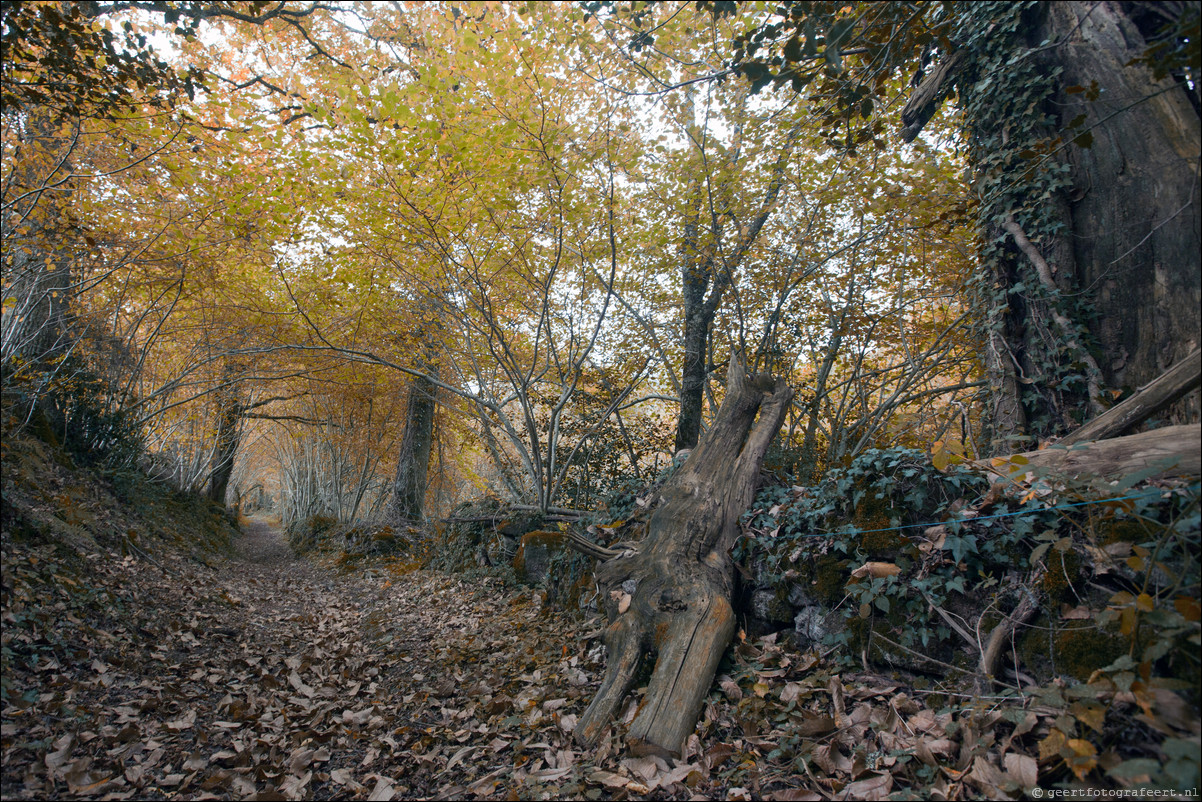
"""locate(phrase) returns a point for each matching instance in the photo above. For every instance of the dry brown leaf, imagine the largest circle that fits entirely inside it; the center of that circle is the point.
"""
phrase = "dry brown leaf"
(182, 723)
(876, 570)
(716, 754)
(731, 688)
(646, 768)
(791, 692)
(1022, 769)
(61, 753)
(795, 795)
(608, 779)
(812, 725)
(873, 788)
(383, 791)
(986, 777)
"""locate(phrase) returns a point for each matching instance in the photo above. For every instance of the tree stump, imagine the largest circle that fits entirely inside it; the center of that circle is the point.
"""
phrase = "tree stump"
(672, 596)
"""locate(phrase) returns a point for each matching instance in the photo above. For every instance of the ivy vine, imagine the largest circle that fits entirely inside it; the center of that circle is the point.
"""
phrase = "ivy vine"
(1022, 181)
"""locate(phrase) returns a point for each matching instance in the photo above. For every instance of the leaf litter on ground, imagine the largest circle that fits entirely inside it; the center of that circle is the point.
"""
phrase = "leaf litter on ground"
(272, 677)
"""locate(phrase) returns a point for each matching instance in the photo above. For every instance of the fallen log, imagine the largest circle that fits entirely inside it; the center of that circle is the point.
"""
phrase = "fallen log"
(1171, 386)
(672, 596)
(1160, 453)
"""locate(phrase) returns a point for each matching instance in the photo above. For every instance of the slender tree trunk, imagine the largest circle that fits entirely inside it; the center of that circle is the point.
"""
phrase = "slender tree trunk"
(692, 374)
(229, 433)
(683, 574)
(413, 463)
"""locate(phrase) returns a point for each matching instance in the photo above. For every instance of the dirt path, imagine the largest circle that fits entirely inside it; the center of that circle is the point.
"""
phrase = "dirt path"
(271, 677)
(265, 676)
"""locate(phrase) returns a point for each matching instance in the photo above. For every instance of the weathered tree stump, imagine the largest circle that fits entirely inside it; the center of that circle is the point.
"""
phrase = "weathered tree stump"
(672, 596)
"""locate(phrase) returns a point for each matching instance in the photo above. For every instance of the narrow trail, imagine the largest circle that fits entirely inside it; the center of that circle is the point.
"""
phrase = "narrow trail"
(268, 676)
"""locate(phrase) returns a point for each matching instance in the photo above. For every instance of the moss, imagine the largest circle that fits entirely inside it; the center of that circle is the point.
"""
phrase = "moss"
(858, 629)
(1083, 649)
(1064, 570)
(40, 427)
(830, 580)
(1077, 648)
(1124, 530)
(872, 515)
(320, 523)
(548, 542)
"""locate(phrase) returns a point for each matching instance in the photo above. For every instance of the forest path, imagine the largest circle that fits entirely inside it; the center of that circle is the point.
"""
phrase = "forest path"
(271, 676)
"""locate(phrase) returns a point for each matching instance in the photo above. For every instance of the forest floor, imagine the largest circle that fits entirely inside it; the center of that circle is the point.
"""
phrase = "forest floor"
(267, 676)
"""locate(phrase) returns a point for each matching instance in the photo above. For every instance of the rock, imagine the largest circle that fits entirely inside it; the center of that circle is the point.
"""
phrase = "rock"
(799, 598)
(534, 555)
(767, 605)
(814, 623)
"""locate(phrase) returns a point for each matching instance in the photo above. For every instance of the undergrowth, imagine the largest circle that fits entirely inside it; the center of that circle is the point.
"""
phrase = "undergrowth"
(923, 565)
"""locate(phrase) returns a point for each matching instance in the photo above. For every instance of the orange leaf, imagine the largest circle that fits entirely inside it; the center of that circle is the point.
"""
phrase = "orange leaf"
(1189, 608)
(876, 570)
(1050, 746)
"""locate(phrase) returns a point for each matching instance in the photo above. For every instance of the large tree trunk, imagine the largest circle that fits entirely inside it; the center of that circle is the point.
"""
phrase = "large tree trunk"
(681, 577)
(1134, 217)
(1120, 238)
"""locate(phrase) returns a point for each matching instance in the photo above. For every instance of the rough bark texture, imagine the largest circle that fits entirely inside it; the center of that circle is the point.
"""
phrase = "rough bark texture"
(1130, 216)
(1134, 213)
(673, 595)
(413, 463)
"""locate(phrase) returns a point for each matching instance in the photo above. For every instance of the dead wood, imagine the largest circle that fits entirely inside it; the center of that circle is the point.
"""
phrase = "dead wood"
(1169, 387)
(672, 596)
(1160, 453)
(925, 100)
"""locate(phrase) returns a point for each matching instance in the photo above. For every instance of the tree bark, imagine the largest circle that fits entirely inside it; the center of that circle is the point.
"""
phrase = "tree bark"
(1134, 219)
(413, 462)
(682, 575)
(1171, 451)
(1130, 220)
(229, 433)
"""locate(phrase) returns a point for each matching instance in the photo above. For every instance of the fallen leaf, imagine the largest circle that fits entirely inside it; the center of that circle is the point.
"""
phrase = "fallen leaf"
(61, 754)
(383, 792)
(608, 779)
(876, 570)
(871, 789)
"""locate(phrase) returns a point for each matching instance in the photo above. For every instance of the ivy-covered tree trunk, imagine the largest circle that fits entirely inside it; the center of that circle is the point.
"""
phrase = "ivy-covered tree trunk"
(1085, 149)
(673, 595)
